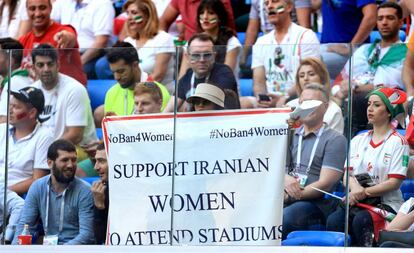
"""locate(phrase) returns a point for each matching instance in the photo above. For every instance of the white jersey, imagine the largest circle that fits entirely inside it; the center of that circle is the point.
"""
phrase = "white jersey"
(384, 160)
(298, 43)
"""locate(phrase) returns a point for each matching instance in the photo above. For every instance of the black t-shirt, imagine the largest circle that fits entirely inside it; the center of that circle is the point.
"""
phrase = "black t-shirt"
(221, 75)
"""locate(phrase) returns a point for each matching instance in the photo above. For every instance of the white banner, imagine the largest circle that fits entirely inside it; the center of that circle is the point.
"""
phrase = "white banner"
(227, 187)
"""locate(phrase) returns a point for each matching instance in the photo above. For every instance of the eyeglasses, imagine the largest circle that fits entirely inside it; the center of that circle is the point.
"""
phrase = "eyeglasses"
(200, 101)
(198, 56)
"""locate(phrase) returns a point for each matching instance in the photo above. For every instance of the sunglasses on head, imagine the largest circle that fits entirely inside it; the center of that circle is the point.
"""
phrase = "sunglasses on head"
(198, 56)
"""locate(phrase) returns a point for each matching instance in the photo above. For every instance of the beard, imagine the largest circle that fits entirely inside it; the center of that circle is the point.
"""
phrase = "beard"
(58, 174)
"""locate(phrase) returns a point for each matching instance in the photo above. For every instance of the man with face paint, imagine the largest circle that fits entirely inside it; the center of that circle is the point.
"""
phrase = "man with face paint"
(62, 202)
(276, 55)
(28, 141)
(316, 159)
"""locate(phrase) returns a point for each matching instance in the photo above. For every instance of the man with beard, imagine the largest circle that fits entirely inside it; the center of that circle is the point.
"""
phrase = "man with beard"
(61, 201)
(373, 65)
(124, 63)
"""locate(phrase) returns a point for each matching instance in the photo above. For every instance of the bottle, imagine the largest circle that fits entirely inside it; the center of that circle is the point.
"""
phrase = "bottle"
(25, 238)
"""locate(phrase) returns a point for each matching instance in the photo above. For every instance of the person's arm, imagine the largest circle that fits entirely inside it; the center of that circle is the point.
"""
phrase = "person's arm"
(85, 213)
(73, 134)
(368, 23)
(65, 39)
(327, 179)
(23, 186)
(14, 207)
(24, 27)
(231, 58)
(101, 41)
(171, 103)
(259, 81)
(407, 5)
(401, 222)
(99, 191)
(161, 66)
(391, 184)
(252, 31)
(408, 72)
(168, 17)
(30, 213)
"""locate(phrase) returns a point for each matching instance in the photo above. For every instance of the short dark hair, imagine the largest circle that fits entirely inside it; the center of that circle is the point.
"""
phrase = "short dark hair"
(61, 144)
(122, 51)
(16, 49)
(45, 50)
(101, 146)
(392, 5)
(201, 37)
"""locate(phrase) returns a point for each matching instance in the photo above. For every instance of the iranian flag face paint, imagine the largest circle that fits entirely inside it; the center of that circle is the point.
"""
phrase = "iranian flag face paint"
(138, 19)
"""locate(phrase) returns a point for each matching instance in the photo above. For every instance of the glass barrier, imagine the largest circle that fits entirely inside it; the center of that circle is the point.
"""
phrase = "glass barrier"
(275, 149)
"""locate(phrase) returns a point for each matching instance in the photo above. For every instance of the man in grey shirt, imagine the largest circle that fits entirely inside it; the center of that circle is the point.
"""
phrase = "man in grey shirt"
(61, 201)
(317, 157)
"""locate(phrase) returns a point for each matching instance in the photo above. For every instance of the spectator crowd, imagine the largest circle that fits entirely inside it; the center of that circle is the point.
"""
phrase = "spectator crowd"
(185, 55)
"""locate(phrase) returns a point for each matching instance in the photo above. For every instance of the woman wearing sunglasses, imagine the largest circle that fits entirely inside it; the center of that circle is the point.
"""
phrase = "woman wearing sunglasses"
(207, 97)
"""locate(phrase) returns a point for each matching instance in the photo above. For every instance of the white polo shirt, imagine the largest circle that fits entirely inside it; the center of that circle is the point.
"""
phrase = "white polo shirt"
(26, 154)
(90, 18)
(68, 105)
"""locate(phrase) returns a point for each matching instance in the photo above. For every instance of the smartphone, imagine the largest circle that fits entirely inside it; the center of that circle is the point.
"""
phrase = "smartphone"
(264, 97)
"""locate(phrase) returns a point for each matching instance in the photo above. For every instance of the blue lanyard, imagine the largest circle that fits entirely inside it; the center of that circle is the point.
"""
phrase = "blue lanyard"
(62, 205)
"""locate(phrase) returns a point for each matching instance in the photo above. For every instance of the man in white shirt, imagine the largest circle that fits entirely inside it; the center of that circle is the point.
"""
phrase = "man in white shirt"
(67, 105)
(93, 21)
(276, 55)
(28, 141)
(19, 77)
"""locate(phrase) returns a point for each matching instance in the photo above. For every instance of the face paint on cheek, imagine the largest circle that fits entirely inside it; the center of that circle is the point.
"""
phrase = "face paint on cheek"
(21, 115)
(138, 19)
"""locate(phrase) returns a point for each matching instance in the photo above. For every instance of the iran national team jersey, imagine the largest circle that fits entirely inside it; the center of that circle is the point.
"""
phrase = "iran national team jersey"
(386, 159)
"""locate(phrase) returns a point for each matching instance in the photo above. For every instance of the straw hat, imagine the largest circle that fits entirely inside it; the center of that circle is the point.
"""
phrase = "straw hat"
(209, 92)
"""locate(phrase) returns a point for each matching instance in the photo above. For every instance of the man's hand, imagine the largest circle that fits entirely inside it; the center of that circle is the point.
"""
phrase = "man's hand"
(98, 191)
(292, 187)
(90, 148)
(65, 39)
(339, 49)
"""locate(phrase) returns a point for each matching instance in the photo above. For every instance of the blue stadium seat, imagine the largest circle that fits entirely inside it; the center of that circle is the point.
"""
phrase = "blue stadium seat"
(246, 87)
(407, 188)
(241, 36)
(90, 180)
(99, 133)
(315, 238)
(376, 35)
(97, 90)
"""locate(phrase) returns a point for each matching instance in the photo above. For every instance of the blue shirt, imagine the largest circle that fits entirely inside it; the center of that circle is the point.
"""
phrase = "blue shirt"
(342, 19)
(77, 215)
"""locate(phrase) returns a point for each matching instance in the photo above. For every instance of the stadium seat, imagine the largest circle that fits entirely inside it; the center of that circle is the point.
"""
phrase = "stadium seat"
(241, 36)
(315, 238)
(246, 87)
(97, 90)
(376, 35)
(407, 188)
(90, 180)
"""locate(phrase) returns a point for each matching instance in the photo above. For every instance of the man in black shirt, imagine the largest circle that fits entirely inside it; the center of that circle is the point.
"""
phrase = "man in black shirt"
(200, 55)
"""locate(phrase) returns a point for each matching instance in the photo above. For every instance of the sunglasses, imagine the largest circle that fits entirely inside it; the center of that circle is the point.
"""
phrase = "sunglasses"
(200, 101)
(198, 56)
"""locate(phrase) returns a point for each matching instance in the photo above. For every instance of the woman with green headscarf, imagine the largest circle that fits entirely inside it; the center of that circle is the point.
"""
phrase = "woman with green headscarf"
(378, 163)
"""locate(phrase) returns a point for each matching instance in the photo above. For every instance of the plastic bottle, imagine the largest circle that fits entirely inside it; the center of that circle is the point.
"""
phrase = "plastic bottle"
(25, 238)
